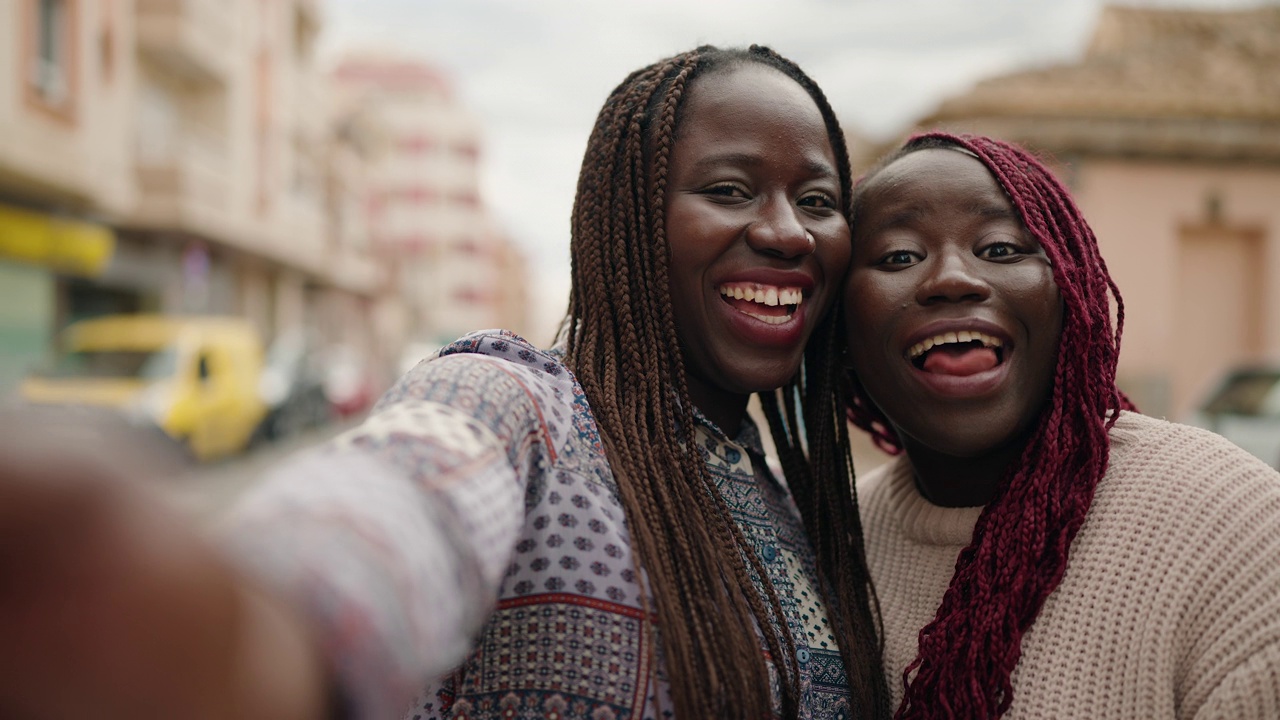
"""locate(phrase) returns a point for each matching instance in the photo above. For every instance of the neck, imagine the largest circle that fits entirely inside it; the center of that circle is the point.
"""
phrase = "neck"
(726, 410)
(950, 481)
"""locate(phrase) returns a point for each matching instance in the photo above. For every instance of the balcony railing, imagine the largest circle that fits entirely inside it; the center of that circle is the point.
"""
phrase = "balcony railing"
(189, 37)
(187, 188)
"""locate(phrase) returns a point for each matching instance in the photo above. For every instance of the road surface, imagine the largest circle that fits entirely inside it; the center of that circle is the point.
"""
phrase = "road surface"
(207, 490)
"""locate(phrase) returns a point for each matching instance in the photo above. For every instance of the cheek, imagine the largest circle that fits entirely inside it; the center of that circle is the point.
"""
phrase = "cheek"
(1040, 295)
(872, 299)
(854, 306)
(684, 261)
(1035, 291)
(867, 309)
(834, 251)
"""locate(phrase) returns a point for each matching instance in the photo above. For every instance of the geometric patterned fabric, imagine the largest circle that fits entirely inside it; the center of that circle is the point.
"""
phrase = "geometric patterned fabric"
(498, 559)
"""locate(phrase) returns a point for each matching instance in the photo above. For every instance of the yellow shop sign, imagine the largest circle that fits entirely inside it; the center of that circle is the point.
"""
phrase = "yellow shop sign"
(71, 246)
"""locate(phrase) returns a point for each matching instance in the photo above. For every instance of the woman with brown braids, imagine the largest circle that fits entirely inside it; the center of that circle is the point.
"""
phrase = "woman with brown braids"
(586, 532)
(1040, 549)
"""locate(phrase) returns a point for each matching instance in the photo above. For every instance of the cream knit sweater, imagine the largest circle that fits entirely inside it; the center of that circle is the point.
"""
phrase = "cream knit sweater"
(1170, 605)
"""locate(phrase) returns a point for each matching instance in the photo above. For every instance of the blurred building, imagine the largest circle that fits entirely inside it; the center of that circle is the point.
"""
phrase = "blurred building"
(172, 156)
(1167, 131)
(456, 268)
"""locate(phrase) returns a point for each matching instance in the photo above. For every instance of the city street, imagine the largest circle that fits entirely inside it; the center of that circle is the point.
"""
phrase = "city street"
(208, 490)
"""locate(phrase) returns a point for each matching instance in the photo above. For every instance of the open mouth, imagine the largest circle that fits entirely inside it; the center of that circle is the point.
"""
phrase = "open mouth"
(769, 304)
(963, 353)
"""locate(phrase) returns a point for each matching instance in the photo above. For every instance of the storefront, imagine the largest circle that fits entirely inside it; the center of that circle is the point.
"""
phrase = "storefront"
(38, 251)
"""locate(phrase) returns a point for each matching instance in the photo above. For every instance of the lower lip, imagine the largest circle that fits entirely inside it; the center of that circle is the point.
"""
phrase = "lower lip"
(962, 387)
(787, 334)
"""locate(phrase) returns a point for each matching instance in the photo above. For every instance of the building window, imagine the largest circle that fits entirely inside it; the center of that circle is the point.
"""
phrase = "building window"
(467, 150)
(51, 69)
(466, 198)
(107, 41)
(417, 144)
(49, 53)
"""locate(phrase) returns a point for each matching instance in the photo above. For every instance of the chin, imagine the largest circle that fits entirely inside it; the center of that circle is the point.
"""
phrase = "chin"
(963, 438)
(771, 379)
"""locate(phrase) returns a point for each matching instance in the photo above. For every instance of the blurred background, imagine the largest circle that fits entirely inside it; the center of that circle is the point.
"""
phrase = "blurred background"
(237, 221)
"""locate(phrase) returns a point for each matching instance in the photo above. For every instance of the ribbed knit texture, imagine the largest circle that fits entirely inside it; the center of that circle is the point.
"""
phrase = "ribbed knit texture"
(1170, 606)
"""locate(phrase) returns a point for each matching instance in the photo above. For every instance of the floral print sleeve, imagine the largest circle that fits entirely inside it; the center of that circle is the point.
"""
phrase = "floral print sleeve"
(396, 535)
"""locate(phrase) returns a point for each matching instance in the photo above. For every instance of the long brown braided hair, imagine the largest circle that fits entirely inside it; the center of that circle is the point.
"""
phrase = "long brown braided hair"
(621, 343)
(1020, 544)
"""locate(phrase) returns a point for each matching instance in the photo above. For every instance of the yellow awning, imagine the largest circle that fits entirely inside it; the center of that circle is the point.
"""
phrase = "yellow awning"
(71, 246)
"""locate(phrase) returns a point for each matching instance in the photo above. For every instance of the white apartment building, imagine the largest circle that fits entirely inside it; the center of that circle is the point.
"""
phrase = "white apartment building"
(456, 268)
(173, 155)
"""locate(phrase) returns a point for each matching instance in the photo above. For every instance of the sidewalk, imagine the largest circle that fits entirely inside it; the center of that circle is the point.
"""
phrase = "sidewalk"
(208, 490)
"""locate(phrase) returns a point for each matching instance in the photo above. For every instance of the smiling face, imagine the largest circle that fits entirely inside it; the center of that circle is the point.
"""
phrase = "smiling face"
(953, 313)
(757, 233)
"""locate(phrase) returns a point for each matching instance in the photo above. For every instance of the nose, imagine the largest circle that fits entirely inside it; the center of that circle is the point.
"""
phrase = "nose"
(778, 231)
(952, 277)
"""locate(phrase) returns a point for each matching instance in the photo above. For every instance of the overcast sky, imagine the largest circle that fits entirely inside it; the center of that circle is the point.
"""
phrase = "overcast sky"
(535, 73)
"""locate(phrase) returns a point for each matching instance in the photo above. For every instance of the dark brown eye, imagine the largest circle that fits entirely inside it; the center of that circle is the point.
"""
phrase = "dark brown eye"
(818, 200)
(898, 257)
(728, 190)
(998, 250)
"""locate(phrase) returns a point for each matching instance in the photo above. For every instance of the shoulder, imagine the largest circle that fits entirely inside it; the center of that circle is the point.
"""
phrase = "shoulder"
(497, 378)
(1181, 454)
(1197, 521)
(492, 361)
(1201, 483)
(505, 345)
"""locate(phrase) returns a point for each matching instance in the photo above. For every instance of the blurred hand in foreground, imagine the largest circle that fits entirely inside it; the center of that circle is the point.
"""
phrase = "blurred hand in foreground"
(112, 605)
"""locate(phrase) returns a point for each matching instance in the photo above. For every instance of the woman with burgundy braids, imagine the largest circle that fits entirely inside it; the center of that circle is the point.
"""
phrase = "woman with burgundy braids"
(1039, 549)
(585, 533)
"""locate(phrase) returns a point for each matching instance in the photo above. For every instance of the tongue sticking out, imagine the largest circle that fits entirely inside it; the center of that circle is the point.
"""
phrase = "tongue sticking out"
(960, 360)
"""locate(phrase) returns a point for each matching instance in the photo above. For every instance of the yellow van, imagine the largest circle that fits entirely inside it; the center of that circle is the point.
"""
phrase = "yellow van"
(194, 377)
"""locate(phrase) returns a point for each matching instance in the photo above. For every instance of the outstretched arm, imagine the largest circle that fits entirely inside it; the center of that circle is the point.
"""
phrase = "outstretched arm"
(112, 607)
(364, 567)
(396, 536)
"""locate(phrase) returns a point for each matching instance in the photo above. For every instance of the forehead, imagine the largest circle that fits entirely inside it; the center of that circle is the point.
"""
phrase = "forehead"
(742, 97)
(933, 178)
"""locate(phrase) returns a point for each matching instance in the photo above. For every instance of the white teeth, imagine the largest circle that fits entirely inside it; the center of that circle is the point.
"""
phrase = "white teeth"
(768, 295)
(763, 294)
(962, 336)
(771, 319)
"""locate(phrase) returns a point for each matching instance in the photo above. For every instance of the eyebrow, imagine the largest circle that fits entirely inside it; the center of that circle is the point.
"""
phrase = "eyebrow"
(902, 218)
(812, 165)
(995, 212)
(985, 210)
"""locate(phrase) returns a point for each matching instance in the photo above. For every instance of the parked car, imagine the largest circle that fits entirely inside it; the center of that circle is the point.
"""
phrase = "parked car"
(292, 386)
(1245, 409)
(193, 377)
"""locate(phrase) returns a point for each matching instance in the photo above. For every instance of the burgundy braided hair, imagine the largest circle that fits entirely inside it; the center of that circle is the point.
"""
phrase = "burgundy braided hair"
(1022, 539)
(621, 343)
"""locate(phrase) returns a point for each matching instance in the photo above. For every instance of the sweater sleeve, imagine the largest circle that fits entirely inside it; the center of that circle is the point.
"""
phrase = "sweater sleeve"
(1251, 691)
(395, 536)
(1231, 650)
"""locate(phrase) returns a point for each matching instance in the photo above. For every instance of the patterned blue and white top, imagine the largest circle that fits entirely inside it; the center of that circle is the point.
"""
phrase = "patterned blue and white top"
(467, 544)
